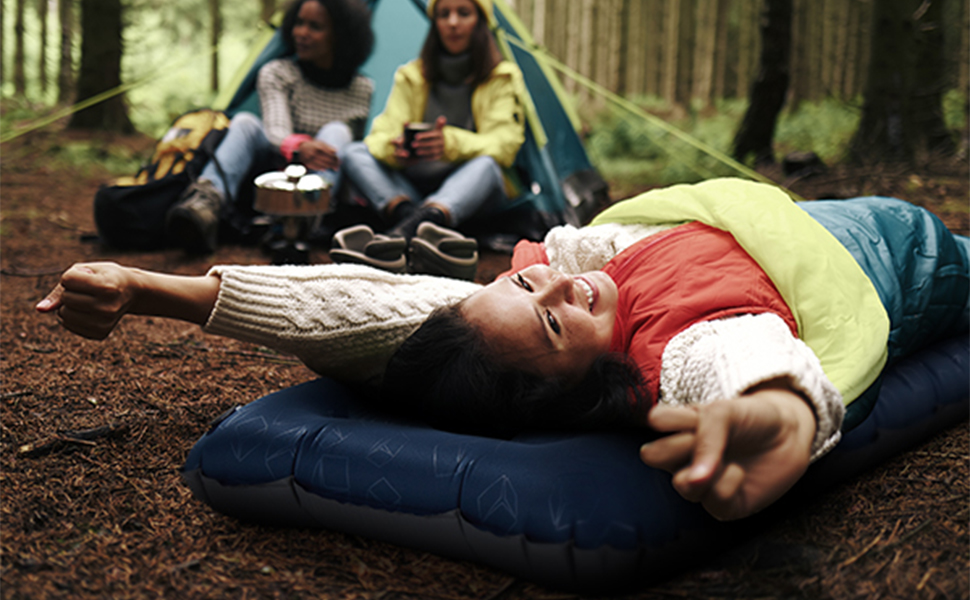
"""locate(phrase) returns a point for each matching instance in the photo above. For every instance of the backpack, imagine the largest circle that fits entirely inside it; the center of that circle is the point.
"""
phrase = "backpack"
(130, 211)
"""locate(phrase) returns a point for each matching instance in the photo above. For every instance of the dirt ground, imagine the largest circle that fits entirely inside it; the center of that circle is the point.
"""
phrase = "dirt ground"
(110, 517)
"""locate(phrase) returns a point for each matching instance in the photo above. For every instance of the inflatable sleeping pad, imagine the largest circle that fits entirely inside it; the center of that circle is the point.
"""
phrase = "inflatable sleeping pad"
(579, 511)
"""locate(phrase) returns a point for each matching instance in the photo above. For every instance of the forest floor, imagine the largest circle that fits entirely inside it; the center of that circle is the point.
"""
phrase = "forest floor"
(111, 518)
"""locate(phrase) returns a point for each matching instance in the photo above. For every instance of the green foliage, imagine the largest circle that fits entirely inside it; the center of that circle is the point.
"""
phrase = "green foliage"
(32, 48)
(167, 50)
(634, 152)
(83, 156)
(956, 104)
(168, 47)
(825, 128)
(14, 112)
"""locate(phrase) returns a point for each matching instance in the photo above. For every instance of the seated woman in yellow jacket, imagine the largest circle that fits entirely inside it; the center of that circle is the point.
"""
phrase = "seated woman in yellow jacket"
(470, 96)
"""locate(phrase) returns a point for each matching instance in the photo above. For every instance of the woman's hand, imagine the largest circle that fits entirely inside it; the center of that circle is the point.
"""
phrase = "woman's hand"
(318, 156)
(91, 298)
(735, 457)
(428, 145)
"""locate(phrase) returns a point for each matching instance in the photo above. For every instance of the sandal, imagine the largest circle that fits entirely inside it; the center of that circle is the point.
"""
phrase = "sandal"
(436, 250)
(360, 245)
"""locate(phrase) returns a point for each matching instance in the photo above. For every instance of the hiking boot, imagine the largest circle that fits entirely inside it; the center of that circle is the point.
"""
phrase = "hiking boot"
(193, 223)
(408, 226)
(439, 251)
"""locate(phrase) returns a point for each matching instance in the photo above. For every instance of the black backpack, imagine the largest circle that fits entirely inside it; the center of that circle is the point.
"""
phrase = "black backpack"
(130, 211)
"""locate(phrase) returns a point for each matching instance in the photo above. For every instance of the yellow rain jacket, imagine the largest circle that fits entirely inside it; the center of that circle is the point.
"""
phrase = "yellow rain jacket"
(496, 108)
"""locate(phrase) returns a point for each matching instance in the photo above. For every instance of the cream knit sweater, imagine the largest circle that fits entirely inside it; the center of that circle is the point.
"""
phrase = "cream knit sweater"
(345, 321)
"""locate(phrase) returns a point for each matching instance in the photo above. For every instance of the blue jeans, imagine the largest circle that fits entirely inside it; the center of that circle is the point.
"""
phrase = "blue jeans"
(474, 187)
(246, 144)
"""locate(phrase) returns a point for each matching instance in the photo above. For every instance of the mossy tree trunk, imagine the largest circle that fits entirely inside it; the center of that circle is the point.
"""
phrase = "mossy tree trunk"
(216, 16)
(770, 86)
(902, 114)
(65, 70)
(101, 46)
(19, 78)
(42, 11)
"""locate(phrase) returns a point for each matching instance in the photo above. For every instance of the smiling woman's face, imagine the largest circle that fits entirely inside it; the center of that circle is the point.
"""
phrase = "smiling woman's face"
(544, 322)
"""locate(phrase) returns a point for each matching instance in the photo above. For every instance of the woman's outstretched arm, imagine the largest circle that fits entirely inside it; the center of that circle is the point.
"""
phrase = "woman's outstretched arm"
(748, 406)
(344, 321)
(91, 298)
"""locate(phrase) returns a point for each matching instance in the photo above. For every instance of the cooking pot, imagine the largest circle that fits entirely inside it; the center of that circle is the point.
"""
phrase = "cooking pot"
(292, 192)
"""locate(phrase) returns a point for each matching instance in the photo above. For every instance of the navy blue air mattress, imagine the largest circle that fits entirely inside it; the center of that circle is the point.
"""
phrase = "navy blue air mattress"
(579, 511)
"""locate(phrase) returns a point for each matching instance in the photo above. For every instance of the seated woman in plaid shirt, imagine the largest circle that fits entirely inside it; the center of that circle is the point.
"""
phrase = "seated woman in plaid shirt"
(313, 102)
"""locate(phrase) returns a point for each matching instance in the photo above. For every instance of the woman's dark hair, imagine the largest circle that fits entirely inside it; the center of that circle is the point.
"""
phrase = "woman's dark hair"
(446, 374)
(483, 52)
(353, 38)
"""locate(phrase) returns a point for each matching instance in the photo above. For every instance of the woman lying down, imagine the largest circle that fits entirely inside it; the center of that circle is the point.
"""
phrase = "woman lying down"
(720, 314)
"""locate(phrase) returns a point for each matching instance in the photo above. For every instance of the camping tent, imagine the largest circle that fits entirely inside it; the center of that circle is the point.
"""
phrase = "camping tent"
(557, 181)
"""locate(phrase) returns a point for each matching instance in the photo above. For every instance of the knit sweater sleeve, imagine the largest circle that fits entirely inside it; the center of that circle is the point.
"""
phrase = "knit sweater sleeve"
(720, 359)
(275, 85)
(574, 251)
(343, 321)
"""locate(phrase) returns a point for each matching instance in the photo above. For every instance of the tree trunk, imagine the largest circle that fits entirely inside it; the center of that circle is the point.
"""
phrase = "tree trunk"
(601, 48)
(524, 9)
(539, 22)
(747, 22)
(671, 46)
(706, 32)
(956, 35)
(825, 67)
(902, 114)
(770, 87)
(65, 70)
(865, 47)
(721, 50)
(586, 47)
(42, 60)
(963, 79)
(839, 46)
(266, 10)
(814, 59)
(851, 57)
(101, 67)
(216, 17)
(623, 51)
(652, 17)
(3, 47)
(685, 54)
(614, 39)
(572, 38)
(19, 79)
(799, 72)
(635, 49)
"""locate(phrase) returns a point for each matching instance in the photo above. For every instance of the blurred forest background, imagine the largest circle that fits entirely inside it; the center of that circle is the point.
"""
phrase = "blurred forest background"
(695, 64)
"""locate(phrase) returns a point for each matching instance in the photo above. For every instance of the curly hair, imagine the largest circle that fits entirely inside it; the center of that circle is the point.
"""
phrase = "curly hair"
(353, 38)
(446, 374)
(483, 49)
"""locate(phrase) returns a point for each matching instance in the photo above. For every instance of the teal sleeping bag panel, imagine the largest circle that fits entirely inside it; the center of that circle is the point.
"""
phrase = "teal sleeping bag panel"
(919, 269)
